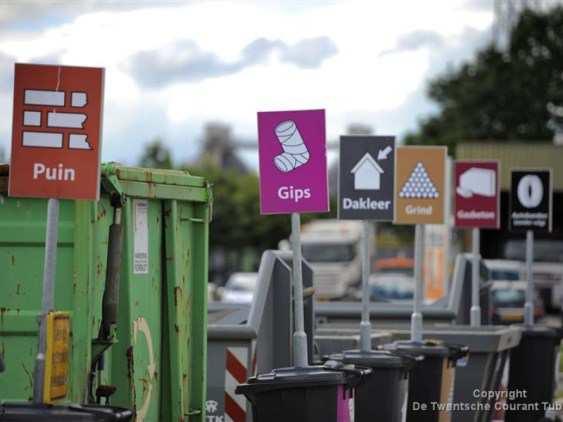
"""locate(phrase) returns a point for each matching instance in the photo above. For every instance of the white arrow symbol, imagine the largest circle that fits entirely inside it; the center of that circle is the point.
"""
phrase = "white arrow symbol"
(382, 155)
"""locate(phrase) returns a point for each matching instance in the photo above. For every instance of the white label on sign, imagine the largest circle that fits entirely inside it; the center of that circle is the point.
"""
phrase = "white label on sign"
(141, 238)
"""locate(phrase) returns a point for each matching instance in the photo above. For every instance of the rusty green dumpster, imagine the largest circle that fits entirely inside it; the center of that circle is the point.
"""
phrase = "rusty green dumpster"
(138, 312)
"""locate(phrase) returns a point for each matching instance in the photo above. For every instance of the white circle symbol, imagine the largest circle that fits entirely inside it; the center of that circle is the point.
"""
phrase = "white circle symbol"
(530, 191)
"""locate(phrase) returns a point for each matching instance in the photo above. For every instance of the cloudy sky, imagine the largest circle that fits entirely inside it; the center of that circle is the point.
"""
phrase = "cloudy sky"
(172, 66)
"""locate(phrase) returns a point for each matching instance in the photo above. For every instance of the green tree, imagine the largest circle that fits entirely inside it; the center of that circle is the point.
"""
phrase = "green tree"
(237, 222)
(156, 155)
(501, 95)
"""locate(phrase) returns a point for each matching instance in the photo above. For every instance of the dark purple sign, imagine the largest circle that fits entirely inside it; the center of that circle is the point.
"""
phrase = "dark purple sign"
(477, 195)
(293, 169)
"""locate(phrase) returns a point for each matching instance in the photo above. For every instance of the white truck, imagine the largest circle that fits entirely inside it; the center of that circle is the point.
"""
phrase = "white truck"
(332, 247)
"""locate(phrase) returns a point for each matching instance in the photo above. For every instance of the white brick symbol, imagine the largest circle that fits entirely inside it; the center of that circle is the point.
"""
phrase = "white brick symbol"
(54, 119)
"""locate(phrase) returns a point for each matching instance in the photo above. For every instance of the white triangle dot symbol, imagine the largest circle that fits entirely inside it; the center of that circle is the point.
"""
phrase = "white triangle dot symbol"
(419, 178)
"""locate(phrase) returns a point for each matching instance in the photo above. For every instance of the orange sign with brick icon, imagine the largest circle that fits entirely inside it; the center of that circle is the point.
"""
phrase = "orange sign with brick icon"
(56, 132)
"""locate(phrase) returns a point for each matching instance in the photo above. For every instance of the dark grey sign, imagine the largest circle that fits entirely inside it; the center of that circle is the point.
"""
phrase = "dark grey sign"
(366, 177)
(531, 200)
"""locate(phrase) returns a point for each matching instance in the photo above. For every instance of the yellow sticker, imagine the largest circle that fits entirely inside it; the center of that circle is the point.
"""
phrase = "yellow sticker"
(57, 356)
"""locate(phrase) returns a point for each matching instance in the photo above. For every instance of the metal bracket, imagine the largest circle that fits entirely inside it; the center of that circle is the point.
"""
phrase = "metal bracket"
(111, 184)
(100, 346)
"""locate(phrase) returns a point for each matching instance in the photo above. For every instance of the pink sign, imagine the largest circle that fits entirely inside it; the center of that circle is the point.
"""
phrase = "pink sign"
(477, 194)
(293, 171)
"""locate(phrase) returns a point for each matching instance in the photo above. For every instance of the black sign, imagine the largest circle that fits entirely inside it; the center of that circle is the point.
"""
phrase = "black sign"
(530, 200)
(366, 177)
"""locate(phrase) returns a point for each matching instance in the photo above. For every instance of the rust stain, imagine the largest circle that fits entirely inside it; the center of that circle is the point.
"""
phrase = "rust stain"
(98, 268)
(131, 375)
(101, 212)
(177, 295)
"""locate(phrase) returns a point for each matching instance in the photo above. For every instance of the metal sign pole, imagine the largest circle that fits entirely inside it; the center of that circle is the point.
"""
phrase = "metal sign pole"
(300, 358)
(365, 325)
(47, 303)
(416, 318)
(475, 305)
(529, 306)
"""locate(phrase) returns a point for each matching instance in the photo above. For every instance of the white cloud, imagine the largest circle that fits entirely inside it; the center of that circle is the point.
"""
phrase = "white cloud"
(355, 84)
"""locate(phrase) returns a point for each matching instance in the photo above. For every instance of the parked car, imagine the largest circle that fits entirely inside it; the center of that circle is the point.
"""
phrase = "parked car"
(508, 299)
(397, 264)
(239, 288)
(391, 287)
(505, 269)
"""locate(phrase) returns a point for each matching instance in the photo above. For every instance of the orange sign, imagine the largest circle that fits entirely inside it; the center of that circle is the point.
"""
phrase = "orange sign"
(420, 185)
(56, 132)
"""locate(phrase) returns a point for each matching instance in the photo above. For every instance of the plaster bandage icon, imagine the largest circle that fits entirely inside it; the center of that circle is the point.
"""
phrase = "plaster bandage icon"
(295, 152)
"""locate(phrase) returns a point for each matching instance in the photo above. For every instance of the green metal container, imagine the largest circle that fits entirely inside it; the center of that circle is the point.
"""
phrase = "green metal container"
(157, 357)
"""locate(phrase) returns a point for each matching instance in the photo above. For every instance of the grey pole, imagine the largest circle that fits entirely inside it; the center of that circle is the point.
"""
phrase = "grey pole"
(365, 325)
(529, 306)
(47, 303)
(475, 306)
(300, 358)
(416, 318)
(448, 214)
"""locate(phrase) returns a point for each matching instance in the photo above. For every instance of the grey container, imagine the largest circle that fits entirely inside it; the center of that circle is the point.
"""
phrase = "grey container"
(333, 340)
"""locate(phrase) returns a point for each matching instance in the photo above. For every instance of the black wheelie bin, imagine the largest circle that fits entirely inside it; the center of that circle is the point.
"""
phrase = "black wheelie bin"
(308, 394)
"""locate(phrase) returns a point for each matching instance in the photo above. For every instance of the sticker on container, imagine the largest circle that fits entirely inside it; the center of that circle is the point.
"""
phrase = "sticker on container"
(141, 237)
(405, 392)
(462, 362)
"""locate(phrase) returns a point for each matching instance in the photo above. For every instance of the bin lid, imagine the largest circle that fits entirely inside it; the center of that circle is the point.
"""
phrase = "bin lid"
(144, 182)
(377, 359)
(482, 339)
(429, 348)
(541, 331)
(293, 377)
(154, 183)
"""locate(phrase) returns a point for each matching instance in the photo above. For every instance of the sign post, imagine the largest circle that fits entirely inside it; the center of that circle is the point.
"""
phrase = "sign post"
(477, 205)
(419, 200)
(365, 192)
(531, 211)
(56, 134)
(293, 179)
